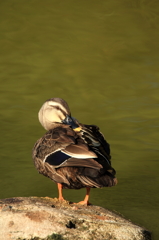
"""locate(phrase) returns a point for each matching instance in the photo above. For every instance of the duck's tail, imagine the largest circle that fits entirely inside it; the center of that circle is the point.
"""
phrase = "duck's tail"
(106, 180)
(83, 177)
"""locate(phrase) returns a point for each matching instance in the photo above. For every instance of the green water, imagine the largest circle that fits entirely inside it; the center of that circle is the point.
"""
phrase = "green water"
(102, 57)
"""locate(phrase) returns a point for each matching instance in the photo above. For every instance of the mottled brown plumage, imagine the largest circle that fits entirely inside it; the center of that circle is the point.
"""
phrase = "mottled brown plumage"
(71, 154)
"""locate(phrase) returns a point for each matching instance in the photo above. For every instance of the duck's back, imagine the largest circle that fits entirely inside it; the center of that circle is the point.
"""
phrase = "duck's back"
(75, 159)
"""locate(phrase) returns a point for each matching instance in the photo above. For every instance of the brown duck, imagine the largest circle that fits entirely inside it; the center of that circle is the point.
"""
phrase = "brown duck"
(72, 154)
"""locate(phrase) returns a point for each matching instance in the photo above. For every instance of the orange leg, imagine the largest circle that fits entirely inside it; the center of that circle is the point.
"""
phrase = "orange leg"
(59, 186)
(86, 199)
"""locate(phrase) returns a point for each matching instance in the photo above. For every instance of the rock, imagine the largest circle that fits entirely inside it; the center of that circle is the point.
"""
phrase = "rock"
(46, 218)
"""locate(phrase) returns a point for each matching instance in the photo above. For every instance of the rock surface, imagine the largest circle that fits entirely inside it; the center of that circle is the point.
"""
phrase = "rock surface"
(46, 218)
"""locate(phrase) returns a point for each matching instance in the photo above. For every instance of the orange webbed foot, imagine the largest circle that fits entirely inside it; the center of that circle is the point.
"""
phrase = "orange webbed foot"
(84, 203)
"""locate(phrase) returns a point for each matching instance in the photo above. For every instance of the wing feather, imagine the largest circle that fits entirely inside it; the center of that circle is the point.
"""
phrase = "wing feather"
(78, 151)
(90, 163)
(62, 145)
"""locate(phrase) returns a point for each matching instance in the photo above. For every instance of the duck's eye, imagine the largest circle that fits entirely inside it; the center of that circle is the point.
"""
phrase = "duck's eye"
(57, 108)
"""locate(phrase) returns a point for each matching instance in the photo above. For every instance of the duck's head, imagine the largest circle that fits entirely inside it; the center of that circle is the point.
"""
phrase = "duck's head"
(56, 110)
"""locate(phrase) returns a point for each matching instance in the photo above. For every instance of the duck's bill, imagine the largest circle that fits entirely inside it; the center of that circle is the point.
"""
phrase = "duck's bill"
(70, 121)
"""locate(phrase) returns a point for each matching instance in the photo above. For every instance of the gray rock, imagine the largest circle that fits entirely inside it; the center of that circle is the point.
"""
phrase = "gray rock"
(47, 218)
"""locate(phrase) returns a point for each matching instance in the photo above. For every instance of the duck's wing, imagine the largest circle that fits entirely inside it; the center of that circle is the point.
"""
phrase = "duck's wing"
(97, 143)
(62, 147)
(95, 139)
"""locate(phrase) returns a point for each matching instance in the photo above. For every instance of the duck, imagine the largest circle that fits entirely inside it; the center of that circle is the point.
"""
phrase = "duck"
(72, 154)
